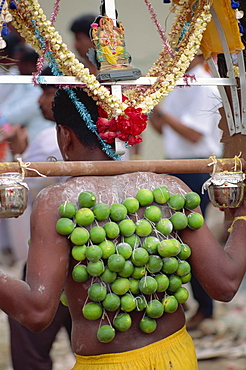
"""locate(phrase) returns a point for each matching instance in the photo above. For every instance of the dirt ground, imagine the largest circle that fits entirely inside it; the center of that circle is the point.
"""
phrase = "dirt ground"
(220, 343)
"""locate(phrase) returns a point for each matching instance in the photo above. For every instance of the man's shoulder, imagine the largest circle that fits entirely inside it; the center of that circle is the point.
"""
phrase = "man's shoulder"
(108, 188)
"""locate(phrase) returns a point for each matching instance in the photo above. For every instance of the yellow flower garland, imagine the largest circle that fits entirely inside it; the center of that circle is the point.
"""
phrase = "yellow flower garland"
(31, 22)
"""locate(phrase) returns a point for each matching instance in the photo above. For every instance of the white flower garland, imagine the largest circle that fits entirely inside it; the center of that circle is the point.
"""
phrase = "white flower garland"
(32, 24)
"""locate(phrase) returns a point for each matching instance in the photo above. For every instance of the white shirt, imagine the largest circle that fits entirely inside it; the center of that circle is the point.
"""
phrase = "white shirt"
(197, 108)
(43, 146)
(21, 108)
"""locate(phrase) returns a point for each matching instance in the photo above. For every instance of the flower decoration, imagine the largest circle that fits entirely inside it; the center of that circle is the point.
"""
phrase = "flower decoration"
(31, 22)
(126, 127)
(125, 119)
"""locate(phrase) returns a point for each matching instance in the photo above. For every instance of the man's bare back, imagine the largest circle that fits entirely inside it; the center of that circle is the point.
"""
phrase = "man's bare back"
(108, 190)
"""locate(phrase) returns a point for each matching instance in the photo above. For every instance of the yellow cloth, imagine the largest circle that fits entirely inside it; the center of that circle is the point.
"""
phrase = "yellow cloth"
(110, 56)
(211, 44)
(175, 352)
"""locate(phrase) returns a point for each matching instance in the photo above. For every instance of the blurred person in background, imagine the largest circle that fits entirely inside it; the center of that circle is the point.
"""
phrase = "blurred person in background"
(81, 27)
(20, 108)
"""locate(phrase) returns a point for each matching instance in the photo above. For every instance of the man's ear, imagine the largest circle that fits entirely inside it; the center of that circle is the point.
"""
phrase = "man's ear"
(65, 137)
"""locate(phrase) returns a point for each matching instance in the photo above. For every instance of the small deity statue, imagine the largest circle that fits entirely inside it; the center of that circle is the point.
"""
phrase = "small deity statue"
(111, 54)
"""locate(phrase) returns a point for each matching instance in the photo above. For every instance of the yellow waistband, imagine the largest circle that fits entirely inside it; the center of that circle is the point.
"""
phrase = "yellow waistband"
(164, 344)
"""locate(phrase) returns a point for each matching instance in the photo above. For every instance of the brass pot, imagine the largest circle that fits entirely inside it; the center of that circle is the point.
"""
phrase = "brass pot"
(13, 195)
(226, 189)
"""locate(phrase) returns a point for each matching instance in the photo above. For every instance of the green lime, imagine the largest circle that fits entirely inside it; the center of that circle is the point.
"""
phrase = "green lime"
(78, 252)
(162, 282)
(145, 197)
(101, 211)
(84, 217)
(148, 285)
(147, 324)
(105, 333)
(65, 226)
(86, 199)
(127, 269)
(164, 226)
(97, 292)
(181, 295)
(183, 268)
(175, 283)
(192, 200)
(133, 240)
(124, 249)
(80, 273)
(131, 204)
(150, 244)
(108, 248)
(195, 220)
(112, 230)
(170, 265)
(153, 213)
(154, 309)
(116, 262)
(79, 236)
(143, 228)
(127, 227)
(161, 194)
(108, 276)
(134, 289)
(118, 212)
(127, 303)
(170, 304)
(63, 299)
(93, 253)
(154, 264)
(176, 202)
(122, 321)
(186, 278)
(179, 221)
(97, 234)
(169, 248)
(111, 302)
(95, 268)
(138, 272)
(67, 209)
(120, 286)
(92, 311)
(185, 252)
(139, 256)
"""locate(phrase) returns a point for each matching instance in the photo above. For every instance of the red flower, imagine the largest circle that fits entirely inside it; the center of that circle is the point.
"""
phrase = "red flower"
(108, 136)
(134, 140)
(104, 124)
(136, 122)
(124, 98)
(102, 113)
(126, 127)
(122, 136)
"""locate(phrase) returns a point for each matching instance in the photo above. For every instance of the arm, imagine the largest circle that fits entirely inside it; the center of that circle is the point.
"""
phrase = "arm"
(219, 270)
(158, 119)
(17, 139)
(34, 302)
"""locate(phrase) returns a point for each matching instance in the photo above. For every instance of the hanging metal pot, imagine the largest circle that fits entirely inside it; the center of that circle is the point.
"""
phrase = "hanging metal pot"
(13, 195)
(226, 189)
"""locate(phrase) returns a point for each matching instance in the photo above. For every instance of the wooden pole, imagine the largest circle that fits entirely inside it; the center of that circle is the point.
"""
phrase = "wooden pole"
(109, 168)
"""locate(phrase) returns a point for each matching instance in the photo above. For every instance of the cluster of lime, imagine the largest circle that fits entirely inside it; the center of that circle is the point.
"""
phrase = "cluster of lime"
(141, 263)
